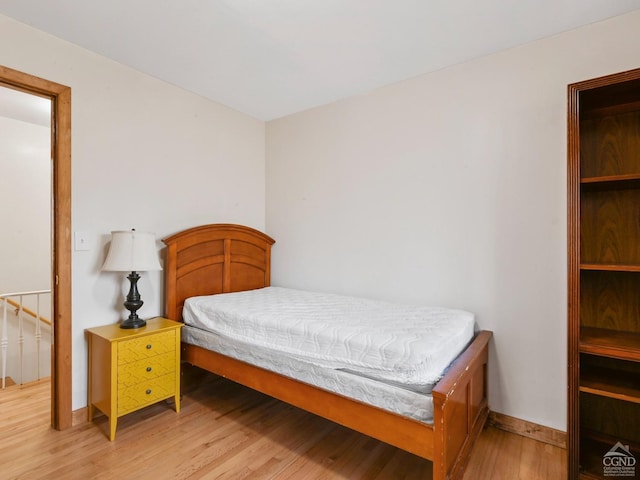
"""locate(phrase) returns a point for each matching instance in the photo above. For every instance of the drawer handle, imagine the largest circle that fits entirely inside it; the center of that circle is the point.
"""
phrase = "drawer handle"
(148, 346)
(149, 369)
(148, 392)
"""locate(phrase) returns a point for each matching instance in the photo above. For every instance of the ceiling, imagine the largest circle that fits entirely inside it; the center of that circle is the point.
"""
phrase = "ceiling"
(271, 58)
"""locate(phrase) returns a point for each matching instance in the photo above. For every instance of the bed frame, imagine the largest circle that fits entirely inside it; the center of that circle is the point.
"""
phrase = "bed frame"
(224, 258)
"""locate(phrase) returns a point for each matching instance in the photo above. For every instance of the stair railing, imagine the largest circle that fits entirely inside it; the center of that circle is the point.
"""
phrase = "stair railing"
(21, 310)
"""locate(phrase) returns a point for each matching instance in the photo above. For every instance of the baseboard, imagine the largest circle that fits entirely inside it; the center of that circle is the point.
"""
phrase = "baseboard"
(528, 429)
(79, 416)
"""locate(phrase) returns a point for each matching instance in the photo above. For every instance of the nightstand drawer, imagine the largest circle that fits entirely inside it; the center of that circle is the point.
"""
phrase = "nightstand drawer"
(145, 347)
(145, 393)
(146, 369)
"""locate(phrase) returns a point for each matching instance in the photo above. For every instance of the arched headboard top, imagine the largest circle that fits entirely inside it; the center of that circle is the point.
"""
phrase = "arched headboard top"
(215, 258)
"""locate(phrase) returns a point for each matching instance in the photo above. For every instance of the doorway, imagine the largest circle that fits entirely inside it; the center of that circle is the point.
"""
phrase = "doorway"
(60, 96)
(25, 256)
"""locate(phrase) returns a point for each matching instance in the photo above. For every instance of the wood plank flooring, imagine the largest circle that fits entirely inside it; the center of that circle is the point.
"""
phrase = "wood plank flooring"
(226, 431)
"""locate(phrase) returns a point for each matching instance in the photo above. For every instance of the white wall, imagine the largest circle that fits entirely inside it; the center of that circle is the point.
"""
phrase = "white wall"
(25, 192)
(449, 189)
(145, 155)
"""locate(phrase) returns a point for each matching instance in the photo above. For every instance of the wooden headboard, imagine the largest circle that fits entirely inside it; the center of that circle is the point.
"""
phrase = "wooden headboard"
(217, 258)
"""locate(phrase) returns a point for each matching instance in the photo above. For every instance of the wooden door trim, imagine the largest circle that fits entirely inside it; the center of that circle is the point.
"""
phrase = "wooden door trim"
(60, 95)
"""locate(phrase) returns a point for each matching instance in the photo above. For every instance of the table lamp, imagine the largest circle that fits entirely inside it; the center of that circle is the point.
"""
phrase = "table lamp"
(134, 252)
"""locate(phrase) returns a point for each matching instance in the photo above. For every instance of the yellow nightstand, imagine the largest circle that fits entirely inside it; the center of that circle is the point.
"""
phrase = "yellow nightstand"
(131, 369)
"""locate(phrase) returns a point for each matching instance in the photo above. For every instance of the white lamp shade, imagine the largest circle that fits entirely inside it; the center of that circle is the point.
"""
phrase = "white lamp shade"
(132, 251)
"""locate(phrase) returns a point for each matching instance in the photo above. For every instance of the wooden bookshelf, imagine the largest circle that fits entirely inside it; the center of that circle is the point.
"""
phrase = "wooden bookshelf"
(604, 270)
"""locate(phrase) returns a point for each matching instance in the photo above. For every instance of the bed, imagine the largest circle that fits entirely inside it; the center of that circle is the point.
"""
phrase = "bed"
(225, 258)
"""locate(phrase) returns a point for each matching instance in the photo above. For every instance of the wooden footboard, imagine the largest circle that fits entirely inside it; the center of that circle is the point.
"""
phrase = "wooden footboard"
(461, 408)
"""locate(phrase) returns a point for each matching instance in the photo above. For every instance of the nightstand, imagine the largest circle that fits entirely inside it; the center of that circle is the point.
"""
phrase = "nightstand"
(131, 369)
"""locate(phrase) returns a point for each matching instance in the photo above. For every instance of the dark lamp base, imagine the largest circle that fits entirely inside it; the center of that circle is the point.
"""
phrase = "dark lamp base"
(133, 304)
(133, 323)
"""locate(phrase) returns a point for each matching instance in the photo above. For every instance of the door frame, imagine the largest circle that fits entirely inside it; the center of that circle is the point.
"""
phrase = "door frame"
(60, 96)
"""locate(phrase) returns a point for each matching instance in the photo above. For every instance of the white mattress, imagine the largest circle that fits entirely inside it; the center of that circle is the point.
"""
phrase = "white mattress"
(404, 345)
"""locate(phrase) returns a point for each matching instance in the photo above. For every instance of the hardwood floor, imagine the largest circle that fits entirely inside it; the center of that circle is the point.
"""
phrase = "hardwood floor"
(225, 431)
